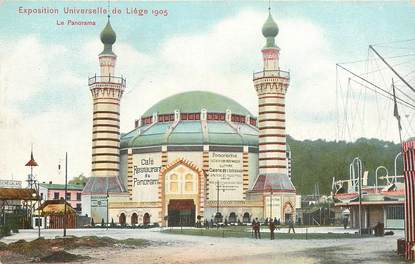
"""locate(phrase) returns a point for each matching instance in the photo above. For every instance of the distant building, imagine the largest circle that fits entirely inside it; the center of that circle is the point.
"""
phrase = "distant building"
(53, 191)
(384, 204)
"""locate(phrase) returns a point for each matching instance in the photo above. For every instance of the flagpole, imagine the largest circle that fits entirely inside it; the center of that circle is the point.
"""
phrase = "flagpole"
(396, 114)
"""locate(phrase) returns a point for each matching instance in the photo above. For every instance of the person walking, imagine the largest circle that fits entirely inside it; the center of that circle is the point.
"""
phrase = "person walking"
(256, 227)
(345, 222)
(277, 223)
(291, 225)
(272, 228)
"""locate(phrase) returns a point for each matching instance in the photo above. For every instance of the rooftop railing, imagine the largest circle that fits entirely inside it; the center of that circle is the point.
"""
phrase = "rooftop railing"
(107, 79)
(271, 73)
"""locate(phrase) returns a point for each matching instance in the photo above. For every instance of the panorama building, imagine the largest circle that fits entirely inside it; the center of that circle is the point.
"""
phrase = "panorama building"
(192, 156)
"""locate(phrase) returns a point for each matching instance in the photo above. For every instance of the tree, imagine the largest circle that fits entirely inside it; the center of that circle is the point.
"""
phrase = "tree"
(81, 179)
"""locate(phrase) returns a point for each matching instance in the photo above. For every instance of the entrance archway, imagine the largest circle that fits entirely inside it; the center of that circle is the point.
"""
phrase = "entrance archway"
(232, 217)
(121, 219)
(146, 219)
(218, 217)
(181, 212)
(246, 218)
(182, 180)
(134, 219)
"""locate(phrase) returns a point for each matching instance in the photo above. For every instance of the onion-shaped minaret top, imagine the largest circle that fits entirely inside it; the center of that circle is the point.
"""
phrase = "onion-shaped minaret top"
(270, 31)
(108, 38)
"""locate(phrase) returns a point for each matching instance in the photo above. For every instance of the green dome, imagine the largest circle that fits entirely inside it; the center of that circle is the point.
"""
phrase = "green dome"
(195, 101)
(108, 38)
(193, 132)
(270, 28)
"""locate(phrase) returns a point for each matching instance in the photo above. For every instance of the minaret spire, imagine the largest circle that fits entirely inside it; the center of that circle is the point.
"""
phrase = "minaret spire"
(271, 86)
(106, 109)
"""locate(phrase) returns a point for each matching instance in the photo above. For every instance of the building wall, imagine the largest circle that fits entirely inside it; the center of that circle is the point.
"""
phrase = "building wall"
(73, 193)
(220, 163)
(375, 215)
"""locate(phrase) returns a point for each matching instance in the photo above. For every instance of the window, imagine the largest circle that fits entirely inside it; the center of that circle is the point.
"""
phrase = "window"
(78, 196)
(188, 186)
(38, 222)
(78, 207)
(41, 196)
(395, 212)
(68, 196)
(174, 185)
(55, 196)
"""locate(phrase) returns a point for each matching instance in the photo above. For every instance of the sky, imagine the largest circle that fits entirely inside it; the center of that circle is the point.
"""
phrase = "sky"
(198, 45)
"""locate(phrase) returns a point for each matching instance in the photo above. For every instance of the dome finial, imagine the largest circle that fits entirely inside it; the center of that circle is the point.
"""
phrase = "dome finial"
(108, 38)
(270, 30)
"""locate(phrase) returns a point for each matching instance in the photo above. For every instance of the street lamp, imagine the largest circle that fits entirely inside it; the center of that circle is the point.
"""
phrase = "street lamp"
(396, 158)
(376, 176)
(358, 163)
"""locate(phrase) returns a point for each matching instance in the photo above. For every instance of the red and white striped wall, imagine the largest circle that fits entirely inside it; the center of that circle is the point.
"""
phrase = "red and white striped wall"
(106, 93)
(271, 87)
(409, 176)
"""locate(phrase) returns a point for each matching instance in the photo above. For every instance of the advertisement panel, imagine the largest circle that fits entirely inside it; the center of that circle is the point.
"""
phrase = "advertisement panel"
(225, 171)
(146, 169)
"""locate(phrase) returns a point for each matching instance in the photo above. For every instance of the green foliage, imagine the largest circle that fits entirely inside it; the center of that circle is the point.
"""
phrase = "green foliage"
(5, 230)
(81, 179)
(318, 161)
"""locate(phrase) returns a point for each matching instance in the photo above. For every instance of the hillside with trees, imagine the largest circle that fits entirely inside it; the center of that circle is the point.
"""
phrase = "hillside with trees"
(318, 161)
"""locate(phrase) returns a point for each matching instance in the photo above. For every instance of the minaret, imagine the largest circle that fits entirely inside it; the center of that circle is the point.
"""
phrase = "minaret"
(106, 90)
(271, 86)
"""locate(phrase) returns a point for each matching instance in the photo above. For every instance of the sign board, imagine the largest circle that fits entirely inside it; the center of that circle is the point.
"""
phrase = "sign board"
(146, 169)
(99, 201)
(227, 169)
(10, 184)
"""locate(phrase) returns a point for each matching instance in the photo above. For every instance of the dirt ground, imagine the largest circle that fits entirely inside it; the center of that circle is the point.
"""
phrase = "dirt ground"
(173, 248)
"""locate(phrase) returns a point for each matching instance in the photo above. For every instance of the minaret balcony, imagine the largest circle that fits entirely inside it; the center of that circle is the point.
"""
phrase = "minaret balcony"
(108, 81)
(271, 73)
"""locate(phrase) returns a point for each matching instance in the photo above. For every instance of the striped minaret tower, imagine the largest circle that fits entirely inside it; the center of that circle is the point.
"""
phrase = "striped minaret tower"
(271, 86)
(106, 90)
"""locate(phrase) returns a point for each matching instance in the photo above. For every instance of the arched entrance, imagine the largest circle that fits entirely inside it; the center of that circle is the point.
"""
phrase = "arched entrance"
(121, 219)
(246, 218)
(134, 219)
(181, 212)
(232, 217)
(146, 219)
(218, 217)
(182, 182)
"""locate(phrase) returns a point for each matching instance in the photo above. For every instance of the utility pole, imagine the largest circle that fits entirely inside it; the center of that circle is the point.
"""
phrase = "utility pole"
(38, 213)
(66, 193)
(270, 205)
(217, 199)
(107, 207)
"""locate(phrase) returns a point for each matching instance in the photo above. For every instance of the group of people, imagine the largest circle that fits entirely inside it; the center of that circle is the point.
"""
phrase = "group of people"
(272, 225)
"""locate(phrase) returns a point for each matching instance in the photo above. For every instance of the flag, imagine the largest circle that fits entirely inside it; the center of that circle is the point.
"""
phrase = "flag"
(32, 161)
(395, 108)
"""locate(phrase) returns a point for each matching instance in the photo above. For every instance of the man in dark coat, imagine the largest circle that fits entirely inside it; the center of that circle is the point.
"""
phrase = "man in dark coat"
(256, 227)
(272, 228)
